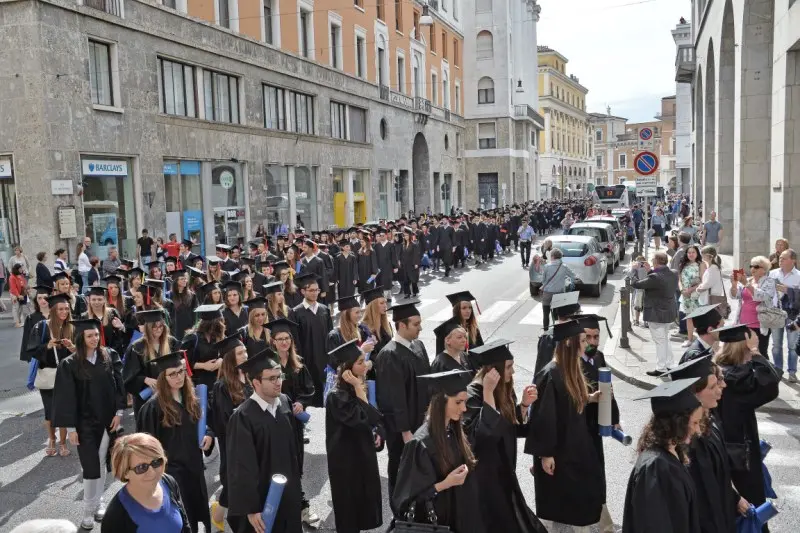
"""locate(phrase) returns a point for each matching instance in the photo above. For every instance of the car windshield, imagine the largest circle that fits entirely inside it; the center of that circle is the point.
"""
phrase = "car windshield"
(572, 249)
(597, 233)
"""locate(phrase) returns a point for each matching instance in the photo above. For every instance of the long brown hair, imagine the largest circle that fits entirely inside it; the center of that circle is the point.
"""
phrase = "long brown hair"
(170, 408)
(106, 316)
(569, 361)
(81, 355)
(150, 351)
(367, 248)
(119, 304)
(341, 384)
(229, 376)
(275, 310)
(58, 329)
(470, 324)
(504, 392)
(348, 328)
(444, 456)
(181, 298)
(210, 329)
(375, 321)
(295, 362)
(663, 431)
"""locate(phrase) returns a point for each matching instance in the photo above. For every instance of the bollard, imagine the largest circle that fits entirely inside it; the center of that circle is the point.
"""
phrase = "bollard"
(625, 310)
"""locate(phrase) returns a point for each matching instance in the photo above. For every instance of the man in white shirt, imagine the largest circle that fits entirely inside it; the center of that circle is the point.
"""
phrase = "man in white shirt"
(787, 279)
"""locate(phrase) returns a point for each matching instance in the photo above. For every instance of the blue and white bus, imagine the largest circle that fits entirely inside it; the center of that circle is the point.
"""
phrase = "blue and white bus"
(612, 196)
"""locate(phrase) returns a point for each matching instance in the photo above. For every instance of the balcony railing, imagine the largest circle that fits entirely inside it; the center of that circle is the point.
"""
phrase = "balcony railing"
(526, 111)
(112, 7)
(684, 64)
(422, 105)
(384, 92)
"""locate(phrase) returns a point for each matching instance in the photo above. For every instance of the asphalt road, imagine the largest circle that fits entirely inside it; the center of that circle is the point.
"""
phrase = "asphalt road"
(33, 486)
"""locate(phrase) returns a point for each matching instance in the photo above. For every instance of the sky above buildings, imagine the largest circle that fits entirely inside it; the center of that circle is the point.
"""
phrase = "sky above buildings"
(621, 50)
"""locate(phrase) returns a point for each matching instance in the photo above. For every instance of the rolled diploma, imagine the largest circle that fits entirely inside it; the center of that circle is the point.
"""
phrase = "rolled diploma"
(145, 393)
(303, 416)
(202, 396)
(604, 414)
(622, 437)
(273, 501)
(371, 393)
(765, 512)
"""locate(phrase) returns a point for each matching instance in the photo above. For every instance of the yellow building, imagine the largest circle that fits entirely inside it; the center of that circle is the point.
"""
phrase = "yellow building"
(565, 139)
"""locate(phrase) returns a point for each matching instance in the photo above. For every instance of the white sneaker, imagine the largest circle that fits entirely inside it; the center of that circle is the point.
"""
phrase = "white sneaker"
(309, 517)
(792, 377)
(87, 524)
(686, 344)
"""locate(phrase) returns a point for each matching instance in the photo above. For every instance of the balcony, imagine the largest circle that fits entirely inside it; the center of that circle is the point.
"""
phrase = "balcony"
(684, 64)
(384, 92)
(526, 111)
(422, 105)
(112, 7)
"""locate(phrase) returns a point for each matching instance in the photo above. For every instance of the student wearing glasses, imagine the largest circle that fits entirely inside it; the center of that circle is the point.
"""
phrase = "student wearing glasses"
(751, 292)
(150, 499)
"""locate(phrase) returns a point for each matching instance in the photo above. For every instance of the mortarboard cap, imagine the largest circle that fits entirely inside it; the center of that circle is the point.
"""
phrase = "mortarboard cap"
(672, 397)
(59, 275)
(346, 353)
(209, 311)
(247, 260)
(135, 272)
(239, 277)
(271, 288)
(97, 290)
(155, 315)
(165, 362)
(213, 260)
(122, 273)
(85, 324)
(734, 333)
(566, 330)
(171, 259)
(207, 289)
(348, 302)
(693, 368)
(113, 278)
(229, 343)
(565, 304)
(187, 243)
(178, 272)
(463, 296)
(128, 263)
(57, 299)
(445, 328)
(223, 247)
(591, 321)
(256, 364)
(409, 230)
(43, 289)
(381, 231)
(157, 284)
(232, 285)
(259, 302)
(281, 324)
(371, 295)
(196, 272)
(450, 383)
(304, 280)
(154, 264)
(705, 316)
(404, 310)
(495, 351)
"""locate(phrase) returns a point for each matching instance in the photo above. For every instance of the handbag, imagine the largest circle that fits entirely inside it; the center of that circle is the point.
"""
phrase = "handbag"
(771, 317)
(410, 526)
(723, 307)
(46, 377)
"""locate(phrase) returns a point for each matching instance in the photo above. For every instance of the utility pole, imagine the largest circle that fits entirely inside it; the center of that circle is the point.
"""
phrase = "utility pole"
(562, 178)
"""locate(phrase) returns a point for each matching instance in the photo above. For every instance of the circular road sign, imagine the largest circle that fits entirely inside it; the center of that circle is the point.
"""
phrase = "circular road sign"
(645, 134)
(646, 163)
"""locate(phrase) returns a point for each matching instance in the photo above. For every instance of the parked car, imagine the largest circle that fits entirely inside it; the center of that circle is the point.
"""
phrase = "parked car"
(583, 255)
(618, 229)
(604, 233)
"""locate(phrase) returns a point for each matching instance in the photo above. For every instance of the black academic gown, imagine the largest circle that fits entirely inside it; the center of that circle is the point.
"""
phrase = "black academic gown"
(199, 350)
(255, 346)
(710, 469)
(30, 321)
(78, 307)
(750, 386)
(234, 322)
(111, 337)
(444, 363)
(185, 457)
(457, 507)
(292, 299)
(346, 274)
(472, 343)
(447, 237)
(353, 461)
(574, 494)
(660, 497)
(409, 262)
(317, 267)
(86, 397)
(312, 343)
(265, 445)
(367, 267)
(330, 288)
(385, 256)
(494, 441)
(545, 349)
(183, 317)
(219, 414)
(298, 387)
(135, 369)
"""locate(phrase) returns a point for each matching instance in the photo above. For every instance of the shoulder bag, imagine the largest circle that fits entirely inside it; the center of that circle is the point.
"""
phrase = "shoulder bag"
(554, 275)
(410, 526)
(46, 377)
(771, 317)
(721, 302)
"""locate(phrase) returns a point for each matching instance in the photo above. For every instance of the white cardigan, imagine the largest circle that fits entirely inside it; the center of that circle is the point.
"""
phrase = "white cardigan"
(711, 283)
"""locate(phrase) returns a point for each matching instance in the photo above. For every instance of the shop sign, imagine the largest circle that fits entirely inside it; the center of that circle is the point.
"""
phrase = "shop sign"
(58, 187)
(67, 222)
(5, 168)
(170, 169)
(102, 167)
(301, 194)
(226, 179)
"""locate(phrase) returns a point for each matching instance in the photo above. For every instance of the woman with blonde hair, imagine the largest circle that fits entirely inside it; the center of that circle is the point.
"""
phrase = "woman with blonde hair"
(112, 333)
(454, 356)
(256, 337)
(375, 317)
(62, 284)
(559, 438)
(150, 500)
(781, 245)
(171, 415)
(464, 315)
(758, 289)
(349, 328)
(285, 274)
(155, 342)
(276, 301)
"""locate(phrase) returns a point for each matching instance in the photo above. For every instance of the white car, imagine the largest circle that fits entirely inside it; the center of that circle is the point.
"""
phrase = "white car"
(583, 255)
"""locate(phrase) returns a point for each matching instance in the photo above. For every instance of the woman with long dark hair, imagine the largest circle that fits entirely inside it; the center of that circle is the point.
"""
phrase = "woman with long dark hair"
(50, 342)
(285, 274)
(210, 294)
(112, 333)
(155, 342)
(256, 336)
(464, 315)
(661, 494)
(248, 288)
(351, 442)
(235, 313)
(409, 263)
(436, 468)
(367, 263)
(199, 345)
(114, 296)
(89, 399)
(494, 421)
(171, 415)
(375, 317)
(567, 471)
(276, 301)
(40, 312)
(690, 271)
(184, 302)
(135, 279)
(752, 381)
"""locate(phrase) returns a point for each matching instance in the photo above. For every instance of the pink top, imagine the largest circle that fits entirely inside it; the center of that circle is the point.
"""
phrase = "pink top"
(749, 315)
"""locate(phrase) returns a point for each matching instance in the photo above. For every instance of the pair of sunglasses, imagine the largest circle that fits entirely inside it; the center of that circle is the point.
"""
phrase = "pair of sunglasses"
(155, 464)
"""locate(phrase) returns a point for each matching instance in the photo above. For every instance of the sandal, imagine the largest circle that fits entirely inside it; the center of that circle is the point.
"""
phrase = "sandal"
(63, 451)
(221, 524)
(50, 451)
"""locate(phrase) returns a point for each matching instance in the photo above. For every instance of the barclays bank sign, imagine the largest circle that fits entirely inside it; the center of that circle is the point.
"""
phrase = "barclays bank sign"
(101, 167)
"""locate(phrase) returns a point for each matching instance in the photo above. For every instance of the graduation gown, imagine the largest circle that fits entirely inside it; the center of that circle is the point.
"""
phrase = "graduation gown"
(265, 445)
(254, 346)
(386, 263)
(113, 338)
(135, 369)
(346, 274)
(183, 318)
(78, 307)
(660, 497)
(367, 267)
(234, 322)
(30, 321)
(401, 398)
(86, 397)
(220, 413)
(457, 507)
(330, 288)
(185, 457)
(749, 387)
(312, 343)
(574, 494)
(292, 299)
(710, 469)
(317, 267)
(298, 387)
(409, 262)
(447, 237)
(353, 461)
(545, 349)
(494, 441)
(444, 363)
(199, 350)
(471, 343)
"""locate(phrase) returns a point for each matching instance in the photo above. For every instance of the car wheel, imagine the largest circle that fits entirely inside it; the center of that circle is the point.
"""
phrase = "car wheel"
(605, 280)
(595, 290)
(610, 268)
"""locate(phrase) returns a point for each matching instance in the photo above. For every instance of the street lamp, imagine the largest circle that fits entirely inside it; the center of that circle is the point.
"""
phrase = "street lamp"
(426, 19)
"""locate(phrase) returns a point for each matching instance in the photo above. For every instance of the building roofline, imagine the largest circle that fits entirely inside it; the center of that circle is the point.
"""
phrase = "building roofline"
(604, 115)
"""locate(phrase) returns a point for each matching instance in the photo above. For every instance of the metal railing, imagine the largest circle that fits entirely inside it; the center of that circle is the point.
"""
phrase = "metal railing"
(112, 7)
(526, 111)
(422, 105)
(384, 92)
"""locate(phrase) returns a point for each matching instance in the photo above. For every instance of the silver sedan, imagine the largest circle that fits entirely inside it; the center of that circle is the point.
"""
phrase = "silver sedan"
(583, 255)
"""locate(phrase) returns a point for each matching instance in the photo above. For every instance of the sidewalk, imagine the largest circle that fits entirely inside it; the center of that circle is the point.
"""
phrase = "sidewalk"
(631, 364)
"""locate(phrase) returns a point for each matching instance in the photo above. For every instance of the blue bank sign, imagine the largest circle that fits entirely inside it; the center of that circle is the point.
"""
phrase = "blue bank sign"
(102, 167)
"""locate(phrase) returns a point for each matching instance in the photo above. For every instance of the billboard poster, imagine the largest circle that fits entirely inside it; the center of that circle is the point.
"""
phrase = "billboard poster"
(193, 229)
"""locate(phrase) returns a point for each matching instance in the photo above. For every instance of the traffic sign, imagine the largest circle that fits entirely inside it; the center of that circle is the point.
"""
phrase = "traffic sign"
(646, 191)
(646, 163)
(646, 181)
(645, 134)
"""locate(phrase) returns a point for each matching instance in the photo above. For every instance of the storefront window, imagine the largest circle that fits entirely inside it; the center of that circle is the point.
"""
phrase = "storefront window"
(182, 188)
(359, 178)
(383, 193)
(108, 206)
(305, 190)
(227, 199)
(338, 180)
(9, 225)
(277, 181)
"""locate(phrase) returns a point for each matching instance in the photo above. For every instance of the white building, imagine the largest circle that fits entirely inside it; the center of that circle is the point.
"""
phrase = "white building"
(682, 34)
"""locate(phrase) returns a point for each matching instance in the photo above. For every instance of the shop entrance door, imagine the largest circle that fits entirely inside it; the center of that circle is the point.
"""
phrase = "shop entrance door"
(229, 225)
(487, 190)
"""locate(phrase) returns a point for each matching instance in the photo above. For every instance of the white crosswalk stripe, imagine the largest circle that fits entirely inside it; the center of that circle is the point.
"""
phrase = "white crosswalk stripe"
(496, 310)
(535, 316)
(425, 302)
(442, 315)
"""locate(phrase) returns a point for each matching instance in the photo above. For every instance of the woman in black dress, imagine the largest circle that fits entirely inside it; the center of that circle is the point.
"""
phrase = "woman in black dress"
(409, 264)
(171, 416)
(153, 291)
(135, 279)
(454, 356)
(155, 342)
(464, 314)
(367, 263)
(375, 318)
(437, 465)
(285, 274)
(115, 298)
(351, 442)
(210, 294)
(49, 342)
(276, 301)
(184, 302)
(112, 334)
(256, 335)
(349, 328)
(494, 421)
(41, 310)
(235, 314)
(200, 345)
(89, 399)
(62, 284)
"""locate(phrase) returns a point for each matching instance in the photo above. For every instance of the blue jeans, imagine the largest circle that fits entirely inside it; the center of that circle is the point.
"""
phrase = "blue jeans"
(777, 348)
(85, 282)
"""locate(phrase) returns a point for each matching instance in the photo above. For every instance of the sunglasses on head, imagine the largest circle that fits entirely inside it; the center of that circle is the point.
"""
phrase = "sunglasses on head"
(155, 464)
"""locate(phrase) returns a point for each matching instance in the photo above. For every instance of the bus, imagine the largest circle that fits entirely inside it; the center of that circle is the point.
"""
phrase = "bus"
(612, 197)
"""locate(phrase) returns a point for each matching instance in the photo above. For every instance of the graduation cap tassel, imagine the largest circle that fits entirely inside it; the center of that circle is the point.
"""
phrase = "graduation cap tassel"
(102, 335)
(608, 329)
(147, 293)
(478, 306)
(188, 366)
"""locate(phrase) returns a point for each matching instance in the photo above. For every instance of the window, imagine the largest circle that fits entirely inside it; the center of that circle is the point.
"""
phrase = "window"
(224, 13)
(287, 110)
(359, 3)
(398, 15)
(486, 135)
(484, 46)
(336, 44)
(401, 73)
(623, 160)
(357, 124)
(303, 113)
(221, 94)
(275, 108)
(382, 67)
(417, 77)
(444, 44)
(169, 3)
(444, 6)
(268, 37)
(458, 144)
(100, 73)
(338, 120)
(384, 129)
(598, 136)
(455, 14)
(381, 14)
(599, 161)
(458, 98)
(305, 33)
(455, 52)
(415, 22)
(177, 94)
(432, 44)
(434, 88)
(486, 91)
(445, 91)
(361, 56)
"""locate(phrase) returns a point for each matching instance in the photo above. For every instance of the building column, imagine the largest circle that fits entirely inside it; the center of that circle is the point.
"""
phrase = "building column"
(785, 178)
(710, 124)
(292, 200)
(349, 204)
(725, 139)
(699, 145)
